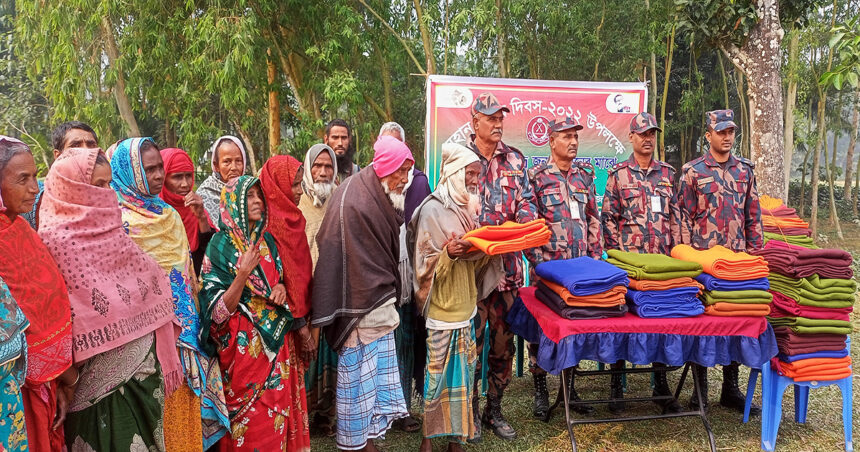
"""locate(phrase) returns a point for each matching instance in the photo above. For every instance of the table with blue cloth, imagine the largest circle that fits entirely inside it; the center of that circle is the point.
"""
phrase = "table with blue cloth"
(704, 340)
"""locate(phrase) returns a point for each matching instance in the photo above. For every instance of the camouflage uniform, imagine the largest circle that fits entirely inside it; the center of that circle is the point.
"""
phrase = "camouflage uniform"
(568, 202)
(640, 208)
(720, 206)
(506, 195)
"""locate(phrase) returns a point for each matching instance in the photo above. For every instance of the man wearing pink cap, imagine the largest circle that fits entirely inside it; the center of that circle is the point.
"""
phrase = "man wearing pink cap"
(356, 285)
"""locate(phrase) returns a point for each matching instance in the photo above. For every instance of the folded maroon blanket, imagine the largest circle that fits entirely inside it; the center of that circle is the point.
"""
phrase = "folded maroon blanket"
(782, 211)
(787, 231)
(800, 349)
(786, 337)
(798, 262)
(783, 306)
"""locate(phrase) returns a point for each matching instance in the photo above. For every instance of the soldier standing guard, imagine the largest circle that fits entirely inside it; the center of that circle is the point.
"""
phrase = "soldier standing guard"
(720, 206)
(641, 215)
(566, 198)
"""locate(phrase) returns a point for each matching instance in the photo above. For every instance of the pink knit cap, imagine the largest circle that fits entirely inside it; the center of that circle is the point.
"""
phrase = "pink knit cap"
(389, 155)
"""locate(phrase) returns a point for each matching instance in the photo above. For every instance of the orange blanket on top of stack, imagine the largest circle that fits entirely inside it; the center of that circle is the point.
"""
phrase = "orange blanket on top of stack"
(610, 298)
(816, 369)
(509, 237)
(724, 263)
(674, 283)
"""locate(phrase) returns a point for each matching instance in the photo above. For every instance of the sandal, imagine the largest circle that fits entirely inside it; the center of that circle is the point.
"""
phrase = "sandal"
(407, 424)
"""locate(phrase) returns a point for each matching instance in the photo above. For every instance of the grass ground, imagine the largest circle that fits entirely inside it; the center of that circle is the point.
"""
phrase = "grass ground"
(822, 431)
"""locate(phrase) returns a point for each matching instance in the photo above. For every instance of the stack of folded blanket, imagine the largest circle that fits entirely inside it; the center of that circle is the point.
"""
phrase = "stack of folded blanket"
(813, 296)
(660, 286)
(781, 222)
(735, 284)
(509, 237)
(582, 288)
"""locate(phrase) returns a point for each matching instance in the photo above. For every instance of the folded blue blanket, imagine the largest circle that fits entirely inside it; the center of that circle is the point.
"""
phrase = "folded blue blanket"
(653, 312)
(583, 276)
(821, 354)
(669, 297)
(712, 283)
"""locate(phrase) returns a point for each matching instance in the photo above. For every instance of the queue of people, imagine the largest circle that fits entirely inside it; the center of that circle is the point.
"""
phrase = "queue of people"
(140, 314)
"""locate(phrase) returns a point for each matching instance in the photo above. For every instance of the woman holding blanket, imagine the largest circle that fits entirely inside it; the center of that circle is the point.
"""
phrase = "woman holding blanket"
(245, 321)
(113, 286)
(197, 409)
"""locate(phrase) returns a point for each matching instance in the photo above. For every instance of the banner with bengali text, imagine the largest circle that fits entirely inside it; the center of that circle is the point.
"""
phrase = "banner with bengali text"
(603, 108)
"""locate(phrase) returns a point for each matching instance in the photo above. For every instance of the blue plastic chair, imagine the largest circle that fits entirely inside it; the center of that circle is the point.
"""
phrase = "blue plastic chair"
(773, 389)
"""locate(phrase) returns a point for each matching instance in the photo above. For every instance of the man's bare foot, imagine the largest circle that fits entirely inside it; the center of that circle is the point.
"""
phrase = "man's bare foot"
(370, 447)
(426, 445)
(455, 447)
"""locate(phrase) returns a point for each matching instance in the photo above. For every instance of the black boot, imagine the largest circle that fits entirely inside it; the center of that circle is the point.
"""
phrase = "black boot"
(573, 399)
(493, 418)
(661, 388)
(702, 379)
(616, 391)
(731, 396)
(541, 410)
(476, 417)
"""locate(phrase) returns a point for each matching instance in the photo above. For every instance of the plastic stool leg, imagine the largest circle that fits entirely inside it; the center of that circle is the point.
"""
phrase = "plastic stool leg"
(847, 417)
(769, 442)
(766, 403)
(801, 403)
(485, 359)
(751, 384)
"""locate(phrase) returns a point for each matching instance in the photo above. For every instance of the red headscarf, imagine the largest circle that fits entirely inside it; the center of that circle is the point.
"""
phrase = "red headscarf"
(177, 161)
(287, 225)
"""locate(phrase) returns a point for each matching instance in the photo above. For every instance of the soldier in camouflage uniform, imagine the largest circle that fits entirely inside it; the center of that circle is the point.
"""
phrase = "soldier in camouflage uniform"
(566, 198)
(719, 206)
(505, 195)
(641, 215)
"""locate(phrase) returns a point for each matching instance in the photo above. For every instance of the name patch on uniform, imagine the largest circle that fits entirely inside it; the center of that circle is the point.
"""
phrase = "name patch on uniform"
(510, 173)
(629, 186)
(705, 180)
(551, 191)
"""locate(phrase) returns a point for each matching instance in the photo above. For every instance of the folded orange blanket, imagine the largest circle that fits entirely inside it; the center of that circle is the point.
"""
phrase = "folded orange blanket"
(724, 309)
(724, 263)
(509, 237)
(674, 283)
(817, 368)
(772, 221)
(610, 298)
(769, 203)
(506, 231)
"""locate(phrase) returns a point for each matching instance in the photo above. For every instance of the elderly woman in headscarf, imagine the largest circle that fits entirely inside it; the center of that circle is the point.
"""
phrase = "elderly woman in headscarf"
(178, 192)
(31, 275)
(13, 368)
(281, 181)
(197, 409)
(114, 287)
(245, 320)
(229, 161)
(449, 280)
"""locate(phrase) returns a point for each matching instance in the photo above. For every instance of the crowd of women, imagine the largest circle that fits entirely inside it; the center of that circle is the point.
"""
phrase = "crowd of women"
(139, 315)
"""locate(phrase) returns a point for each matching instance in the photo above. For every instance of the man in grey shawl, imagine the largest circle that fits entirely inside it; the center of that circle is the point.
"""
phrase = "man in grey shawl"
(356, 285)
(449, 281)
(229, 161)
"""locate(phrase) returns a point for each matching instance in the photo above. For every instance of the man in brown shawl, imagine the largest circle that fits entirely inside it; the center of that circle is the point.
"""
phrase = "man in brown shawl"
(356, 285)
(449, 280)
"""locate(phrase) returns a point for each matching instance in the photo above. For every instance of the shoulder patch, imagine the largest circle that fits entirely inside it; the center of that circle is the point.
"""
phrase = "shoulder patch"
(587, 166)
(618, 166)
(535, 170)
(664, 164)
(748, 162)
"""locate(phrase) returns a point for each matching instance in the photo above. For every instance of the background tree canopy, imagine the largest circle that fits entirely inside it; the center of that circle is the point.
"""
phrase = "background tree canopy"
(273, 72)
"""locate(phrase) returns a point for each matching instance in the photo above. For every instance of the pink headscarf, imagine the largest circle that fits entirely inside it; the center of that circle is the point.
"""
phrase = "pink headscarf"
(113, 285)
(389, 155)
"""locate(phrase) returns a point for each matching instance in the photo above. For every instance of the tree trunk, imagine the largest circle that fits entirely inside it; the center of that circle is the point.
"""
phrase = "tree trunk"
(425, 38)
(834, 214)
(849, 158)
(790, 100)
(856, 188)
(169, 134)
(274, 105)
(252, 158)
(597, 37)
(122, 102)
(744, 122)
(802, 210)
(725, 80)
(760, 59)
(816, 164)
(501, 35)
(670, 47)
(653, 85)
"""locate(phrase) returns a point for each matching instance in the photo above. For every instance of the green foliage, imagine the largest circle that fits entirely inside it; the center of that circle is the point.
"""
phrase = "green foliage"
(844, 42)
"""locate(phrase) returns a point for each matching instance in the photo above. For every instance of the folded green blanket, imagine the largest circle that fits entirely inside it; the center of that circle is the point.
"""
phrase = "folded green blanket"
(815, 291)
(654, 267)
(799, 240)
(817, 284)
(736, 296)
(803, 325)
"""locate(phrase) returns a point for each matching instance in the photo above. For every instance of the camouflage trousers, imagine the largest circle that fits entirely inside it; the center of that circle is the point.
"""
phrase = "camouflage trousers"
(500, 358)
(533, 365)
